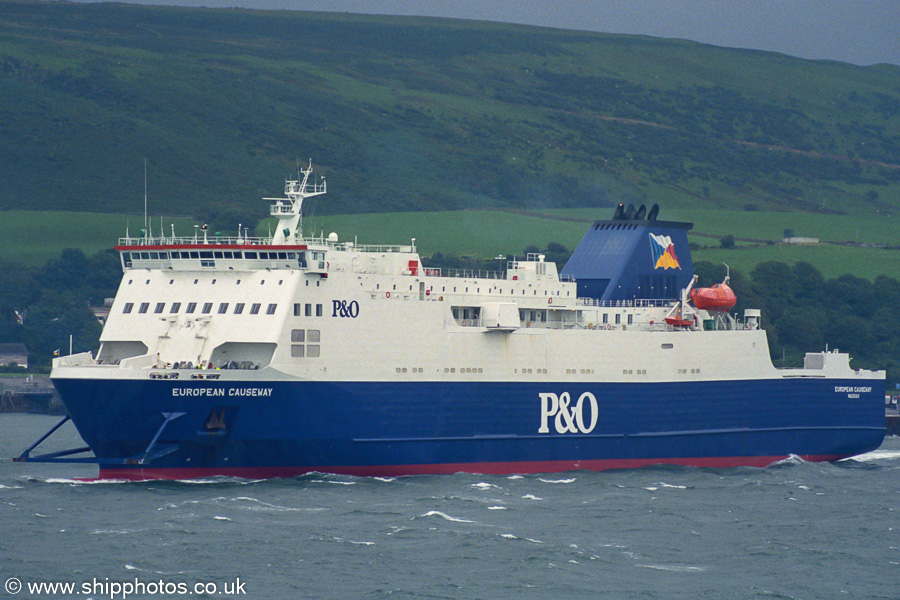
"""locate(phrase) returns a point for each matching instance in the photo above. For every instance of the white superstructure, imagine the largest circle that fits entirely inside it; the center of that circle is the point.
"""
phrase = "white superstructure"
(293, 306)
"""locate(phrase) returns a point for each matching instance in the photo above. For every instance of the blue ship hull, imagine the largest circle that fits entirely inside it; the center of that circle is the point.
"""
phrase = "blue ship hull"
(278, 429)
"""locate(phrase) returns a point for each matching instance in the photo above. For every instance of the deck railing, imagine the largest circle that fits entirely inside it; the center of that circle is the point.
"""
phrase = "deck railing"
(642, 303)
(223, 240)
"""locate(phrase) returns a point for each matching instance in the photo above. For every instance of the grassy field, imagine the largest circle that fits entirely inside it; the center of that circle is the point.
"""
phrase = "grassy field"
(472, 233)
(831, 261)
(33, 237)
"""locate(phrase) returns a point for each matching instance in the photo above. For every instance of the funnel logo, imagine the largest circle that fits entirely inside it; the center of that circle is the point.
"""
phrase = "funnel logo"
(663, 252)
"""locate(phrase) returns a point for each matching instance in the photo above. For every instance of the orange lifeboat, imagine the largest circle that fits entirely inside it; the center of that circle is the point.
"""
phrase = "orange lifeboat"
(679, 322)
(717, 297)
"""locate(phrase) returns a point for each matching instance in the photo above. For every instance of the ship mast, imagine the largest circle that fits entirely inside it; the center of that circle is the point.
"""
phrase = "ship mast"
(289, 210)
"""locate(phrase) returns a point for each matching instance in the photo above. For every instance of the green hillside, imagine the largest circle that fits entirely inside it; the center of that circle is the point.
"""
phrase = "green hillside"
(409, 114)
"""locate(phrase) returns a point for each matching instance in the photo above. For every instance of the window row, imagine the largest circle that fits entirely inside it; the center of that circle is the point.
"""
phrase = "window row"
(195, 254)
(307, 351)
(300, 336)
(306, 310)
(208, 258)
(213, 282)
(618, 318)
(478, 290)
(206, 308)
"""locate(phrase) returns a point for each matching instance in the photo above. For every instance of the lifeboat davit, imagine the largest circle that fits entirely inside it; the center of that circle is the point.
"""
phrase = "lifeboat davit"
(717, 297)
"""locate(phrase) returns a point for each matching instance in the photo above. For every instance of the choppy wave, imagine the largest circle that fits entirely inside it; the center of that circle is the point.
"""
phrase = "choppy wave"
(445, 516)
(674, 568)
(510, 536)
(793, 459)
(220, 479)
(485, 486)
(117, 531)
(877, 455)
(663, 485)
(84, 481)
(257, 505)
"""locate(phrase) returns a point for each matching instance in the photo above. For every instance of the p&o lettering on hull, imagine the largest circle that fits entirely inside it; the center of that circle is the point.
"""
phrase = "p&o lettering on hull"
(568, 418)
(342, 308)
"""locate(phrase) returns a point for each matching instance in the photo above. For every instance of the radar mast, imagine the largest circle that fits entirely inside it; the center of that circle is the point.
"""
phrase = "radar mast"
(289, 210)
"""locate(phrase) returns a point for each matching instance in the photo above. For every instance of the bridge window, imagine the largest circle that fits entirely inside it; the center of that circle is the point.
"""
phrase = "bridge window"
(207, 308)
(254, 310)
(176, 306)
(270, 310)
(143, 308)
(128, 307)
(191, 307)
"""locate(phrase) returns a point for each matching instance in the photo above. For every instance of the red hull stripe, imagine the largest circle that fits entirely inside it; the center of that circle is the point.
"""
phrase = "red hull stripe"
(487, 468)
(249, 247)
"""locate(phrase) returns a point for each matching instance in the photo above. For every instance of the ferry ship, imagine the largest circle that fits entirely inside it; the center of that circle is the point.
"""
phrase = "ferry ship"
(278, 356)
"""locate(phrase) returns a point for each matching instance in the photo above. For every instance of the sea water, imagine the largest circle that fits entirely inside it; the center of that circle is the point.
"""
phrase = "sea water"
(792, 530)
